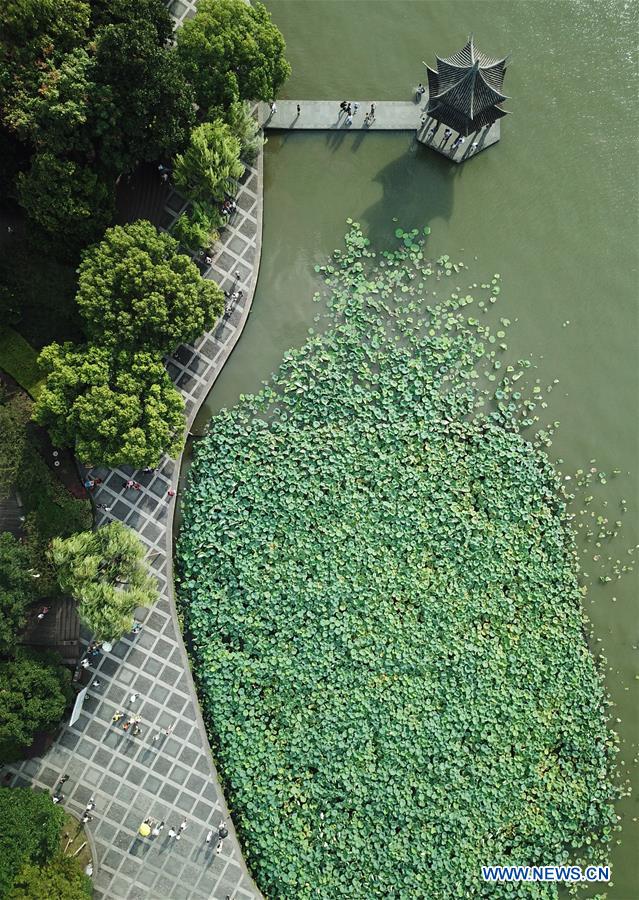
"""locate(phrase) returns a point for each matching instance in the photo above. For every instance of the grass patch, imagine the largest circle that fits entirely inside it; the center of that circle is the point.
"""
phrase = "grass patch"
(19, 359)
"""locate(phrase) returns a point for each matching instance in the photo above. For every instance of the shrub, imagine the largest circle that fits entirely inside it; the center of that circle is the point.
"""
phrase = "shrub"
(245, 128)
(61, 879)
(15, 412)
(18, 589)
(197, 229)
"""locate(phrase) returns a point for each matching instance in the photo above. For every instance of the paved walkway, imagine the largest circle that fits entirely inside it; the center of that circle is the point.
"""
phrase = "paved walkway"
(325, 115)
(174, 778)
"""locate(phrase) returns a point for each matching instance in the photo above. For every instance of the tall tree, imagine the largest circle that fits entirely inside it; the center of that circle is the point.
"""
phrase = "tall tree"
(116, 408)
(34, 34)
(210, 166)
(138, 291)
(231, 50)
(105, 571)
(30, 833)
(245, 128)
(18, 589)
(36, 689)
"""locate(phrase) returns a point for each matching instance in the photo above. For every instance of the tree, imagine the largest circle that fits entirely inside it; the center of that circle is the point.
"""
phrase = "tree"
(117, 408)
(105, 571)
(36, 689)
(15, 412)
(18, 589)
(197, 229)
(232, 51)
(245, 128)
(69, 202)
(30, 833)
(62, 878)
(211, 164)
(137, 291)
(33, 35)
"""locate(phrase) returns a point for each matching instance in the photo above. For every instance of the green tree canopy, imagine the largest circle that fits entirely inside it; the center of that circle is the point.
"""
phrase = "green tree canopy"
(105, 571)
(33, 35)
(117, 408)
(138, 291)
(62, 878)
(198, 228)
(210, 166)
(30, 833)
(36, 689)
(17, 589)
(232, 51)
(69, 202)
(15, 412)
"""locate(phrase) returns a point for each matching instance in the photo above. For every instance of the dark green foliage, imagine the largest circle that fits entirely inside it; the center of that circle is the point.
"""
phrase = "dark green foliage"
(379, 578)
(39, 299)
(197, 229)
(138, 291)
(115, 408)
(61, 879)
(67, 200)
(36, 689)
(232, 51)
(245, 128)
(50, 511)
(152, 103)
(15, 412)
(17, 590)
(30, 833)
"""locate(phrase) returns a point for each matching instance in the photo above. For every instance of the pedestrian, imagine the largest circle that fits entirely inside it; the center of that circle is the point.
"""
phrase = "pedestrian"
(117, 716)
(222, 830)
(137, 628)
(89, 484)
(355, 107)
(421, 90)
(372, 112)
(63, 780)
(9, 229)
(88, 869)
(349, 119)
(103, 506)
(446, 138)
(183, 824)
(58, 798)
(164, 177)
(273, 107)
(218, 849)
(474, 146)
(172, 832)
(136, 730)
(85, 663)
(348, 109)
(209, 836)
(86, 818)
(148, 470)
(96, 683)
(342, 106)
(170, 492)
(43, 612)
(90, 804)
(126, 725)
(431, 133)
(134, 696)
(157, 829)
(127, 484)
(299, 109)
(136, 486)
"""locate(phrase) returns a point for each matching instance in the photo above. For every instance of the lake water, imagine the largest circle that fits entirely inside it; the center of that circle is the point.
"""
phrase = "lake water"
(552, 208)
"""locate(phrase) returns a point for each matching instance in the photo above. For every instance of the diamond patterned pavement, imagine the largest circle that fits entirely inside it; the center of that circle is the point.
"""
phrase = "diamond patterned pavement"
(173, 778)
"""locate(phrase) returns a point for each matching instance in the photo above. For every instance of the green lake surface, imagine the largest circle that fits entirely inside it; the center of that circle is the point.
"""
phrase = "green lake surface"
(552, 208)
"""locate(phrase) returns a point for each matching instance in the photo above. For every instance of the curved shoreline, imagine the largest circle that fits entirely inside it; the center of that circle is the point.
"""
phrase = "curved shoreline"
(176, 778)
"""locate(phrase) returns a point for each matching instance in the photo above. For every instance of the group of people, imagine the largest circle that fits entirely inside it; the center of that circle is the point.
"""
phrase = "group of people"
(229, 206)
(350, 109)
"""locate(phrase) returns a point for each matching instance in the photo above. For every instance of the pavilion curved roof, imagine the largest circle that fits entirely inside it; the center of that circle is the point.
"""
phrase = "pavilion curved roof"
(468, 81)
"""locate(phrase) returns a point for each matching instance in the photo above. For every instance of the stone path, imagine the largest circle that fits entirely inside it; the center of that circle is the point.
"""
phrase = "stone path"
(325, 115)
(174, 778)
